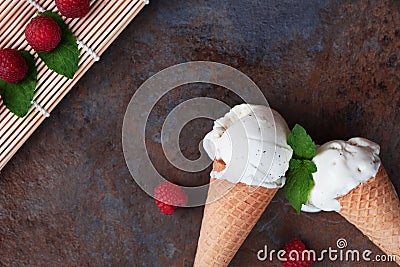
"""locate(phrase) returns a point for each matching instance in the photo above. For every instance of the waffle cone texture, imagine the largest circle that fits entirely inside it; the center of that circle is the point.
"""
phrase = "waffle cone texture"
(228, 220)
(374, 208)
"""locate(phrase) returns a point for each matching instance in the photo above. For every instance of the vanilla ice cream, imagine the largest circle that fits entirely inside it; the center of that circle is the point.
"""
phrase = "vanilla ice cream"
(251, 140)
(341, 166)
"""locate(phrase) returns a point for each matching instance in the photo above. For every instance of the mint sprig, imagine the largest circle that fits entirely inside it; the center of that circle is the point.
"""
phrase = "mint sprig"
(18, 96)
(299, 179)
(301, 143)
(64, 58)
(299, 182)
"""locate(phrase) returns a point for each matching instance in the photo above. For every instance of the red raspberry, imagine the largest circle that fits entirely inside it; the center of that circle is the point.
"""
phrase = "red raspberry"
(169, 197)
(13, 67)
(296, 245)
(43, 34)
(73, 8)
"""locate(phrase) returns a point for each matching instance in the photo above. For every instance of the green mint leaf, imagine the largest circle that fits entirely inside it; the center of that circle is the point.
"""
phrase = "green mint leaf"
(18, 96)
(299, 179)
(64, 58)
(309, 165)
(299, 182)
(301, 143)
(294, 164)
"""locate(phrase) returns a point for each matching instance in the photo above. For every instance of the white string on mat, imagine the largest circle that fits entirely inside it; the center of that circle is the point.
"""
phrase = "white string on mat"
(80, 44)
(36, 5)
(88, 50)
(42, 110)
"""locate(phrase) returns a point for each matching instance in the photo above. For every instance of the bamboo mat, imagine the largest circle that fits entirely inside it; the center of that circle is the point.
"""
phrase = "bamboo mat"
(97, 30)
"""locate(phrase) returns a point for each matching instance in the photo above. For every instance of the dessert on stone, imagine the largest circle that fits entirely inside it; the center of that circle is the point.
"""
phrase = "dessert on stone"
(251, 155)
(351, 180)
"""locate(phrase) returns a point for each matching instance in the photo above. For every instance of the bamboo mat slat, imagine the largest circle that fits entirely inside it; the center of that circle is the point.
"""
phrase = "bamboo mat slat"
(97, 30)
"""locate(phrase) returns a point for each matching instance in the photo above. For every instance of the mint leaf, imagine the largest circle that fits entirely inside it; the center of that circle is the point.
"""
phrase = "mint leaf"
(299, 182)
(299, 179)
(18, 96)
(309, 165)
(301, 143)
(64, 58)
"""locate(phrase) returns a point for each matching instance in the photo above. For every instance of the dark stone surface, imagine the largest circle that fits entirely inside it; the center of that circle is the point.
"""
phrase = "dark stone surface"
(67, 197)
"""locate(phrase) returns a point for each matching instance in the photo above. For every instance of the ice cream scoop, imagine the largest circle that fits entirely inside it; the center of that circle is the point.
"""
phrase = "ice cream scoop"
(341, 166)
(251, 141)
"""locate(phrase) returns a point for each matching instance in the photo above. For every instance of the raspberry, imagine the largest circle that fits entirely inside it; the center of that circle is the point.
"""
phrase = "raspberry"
(168, 197)
(165, 208)
(73, 8)
(296, 245)
(43, 33)
(13, 67)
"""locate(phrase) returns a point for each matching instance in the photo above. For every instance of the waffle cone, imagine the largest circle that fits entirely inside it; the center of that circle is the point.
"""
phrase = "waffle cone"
(228, 220)
(374, 208)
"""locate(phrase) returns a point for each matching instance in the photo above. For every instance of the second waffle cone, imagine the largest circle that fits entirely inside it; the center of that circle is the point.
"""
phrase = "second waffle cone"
(374, 208)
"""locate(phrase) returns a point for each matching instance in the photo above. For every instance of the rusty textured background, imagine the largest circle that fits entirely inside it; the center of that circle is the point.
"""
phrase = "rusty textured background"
(67, 198)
